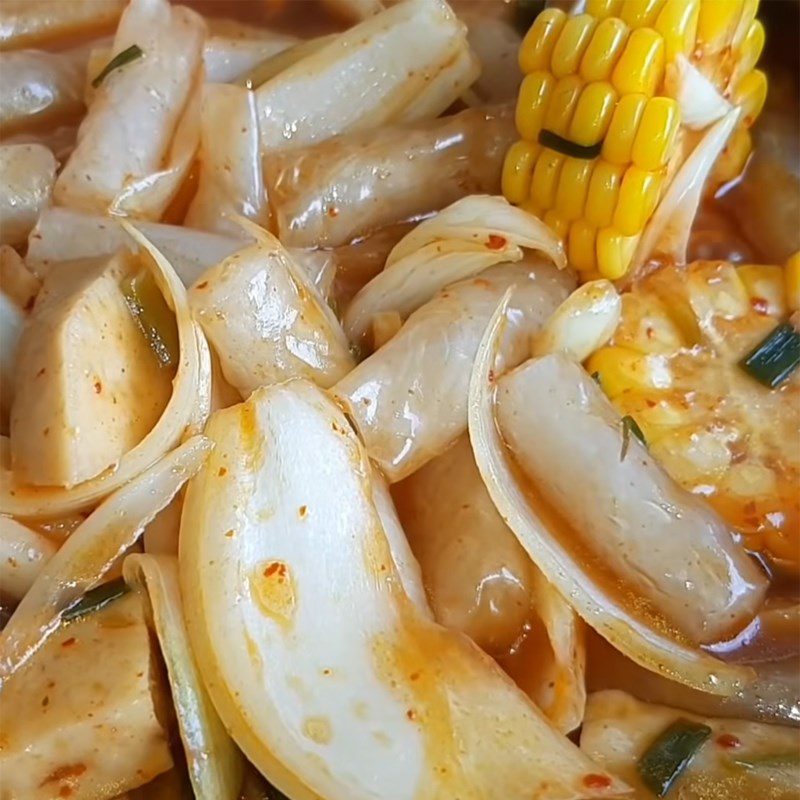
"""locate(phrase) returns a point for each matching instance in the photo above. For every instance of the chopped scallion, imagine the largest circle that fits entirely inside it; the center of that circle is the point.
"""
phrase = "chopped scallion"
(670, 754)
(630, 426)
(155, 320)
(120, 60)
(776, 358)
(568, 148)
(95, 599)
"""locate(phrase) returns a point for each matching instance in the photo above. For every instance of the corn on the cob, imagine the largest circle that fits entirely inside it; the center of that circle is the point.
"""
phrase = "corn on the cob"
(596, 82)
(673, 365)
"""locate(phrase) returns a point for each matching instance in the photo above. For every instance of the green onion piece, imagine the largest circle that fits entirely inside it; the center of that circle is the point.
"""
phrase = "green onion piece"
(670, 754)
(772, 761)
(525, 13)
(630, 426)
(568, 148)
(153, 316)
(120, 60)
(776, 358)
(96, 598)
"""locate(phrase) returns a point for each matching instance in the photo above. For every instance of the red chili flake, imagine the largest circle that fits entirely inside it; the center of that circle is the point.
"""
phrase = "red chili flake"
(275, 567)
(414, 676)
(45, 701)
(729, 741)
(68, 642)
(760, 305)
(202, 285)
(333, 211)
(41, 372)
(98, 387)
(411, 714)
(650, 332)
(65, 791)
(650, 403)
(229, 534)
(495, 242)
(302, 511)
(594, 781)
(222, 471)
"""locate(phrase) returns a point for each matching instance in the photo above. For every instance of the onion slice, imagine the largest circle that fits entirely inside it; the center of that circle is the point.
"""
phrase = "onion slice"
(329, 677)
(667, 233)
(460, 241)
(639, 640)
(214, 762)
(184, 413)
(90, 551)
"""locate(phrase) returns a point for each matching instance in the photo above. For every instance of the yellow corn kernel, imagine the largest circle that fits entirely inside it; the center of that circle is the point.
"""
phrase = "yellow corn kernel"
(600, 9)
(581, 246)
(692, 454)
(592, 114)
(749, 10)
(714, 289)
(534, 95)
(614, 253)
(545, 178)
(571, 43)
(647, 326)
(733, 158)
(603, 50)
(556, 223)
(518, 170)
(563, 100)
(573, 185)
(640, 68)
(656, 412)
(638, 196)
(537, 46)
(792, 280)
(640, 13)
(677, 23)
(603, 194)
(717, 23)
(765, 285)
(618, 144)
(750, 94)
(655, 136)
(750, 52)
(620, 369)
(532, 208)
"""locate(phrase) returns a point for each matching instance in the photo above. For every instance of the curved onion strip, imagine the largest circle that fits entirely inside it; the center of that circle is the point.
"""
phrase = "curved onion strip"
(460, 241)
(700, 102)
(186, 411)
(635, 638)
(667, 232)
(213, 760)
(91, 550)
(325, 672)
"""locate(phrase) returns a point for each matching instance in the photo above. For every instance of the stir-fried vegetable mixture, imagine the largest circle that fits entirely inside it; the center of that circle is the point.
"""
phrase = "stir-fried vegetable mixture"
(399, 400)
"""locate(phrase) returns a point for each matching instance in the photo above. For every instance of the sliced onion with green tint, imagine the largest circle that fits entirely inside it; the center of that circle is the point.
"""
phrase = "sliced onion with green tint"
(460, 241)
(638, 638)
(184, 413)
(213, 761)
(92, 549)
(331, 679)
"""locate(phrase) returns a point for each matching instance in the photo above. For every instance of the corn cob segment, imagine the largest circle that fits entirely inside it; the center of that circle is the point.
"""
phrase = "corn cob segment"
(673, 365)
(595, 91)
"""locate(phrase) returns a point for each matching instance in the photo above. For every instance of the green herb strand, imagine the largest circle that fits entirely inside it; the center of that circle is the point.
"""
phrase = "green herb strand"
(564, 146)
(120, 60)
(670, 754)
(95, 599)
(630, 426)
